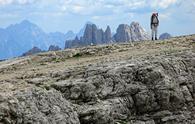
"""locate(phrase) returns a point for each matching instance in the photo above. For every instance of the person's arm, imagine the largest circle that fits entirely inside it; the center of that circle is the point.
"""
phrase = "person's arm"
(151, 22)
(158, 21)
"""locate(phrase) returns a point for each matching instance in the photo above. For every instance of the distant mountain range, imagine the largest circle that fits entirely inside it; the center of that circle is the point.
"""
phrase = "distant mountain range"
(27, 38)
(16, 39)
(93, 35)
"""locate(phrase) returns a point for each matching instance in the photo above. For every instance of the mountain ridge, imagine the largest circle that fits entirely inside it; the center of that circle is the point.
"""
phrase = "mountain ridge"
(93, 35)
(18, 38)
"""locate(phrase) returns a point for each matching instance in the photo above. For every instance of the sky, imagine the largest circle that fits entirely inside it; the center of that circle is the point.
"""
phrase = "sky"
(177, 17)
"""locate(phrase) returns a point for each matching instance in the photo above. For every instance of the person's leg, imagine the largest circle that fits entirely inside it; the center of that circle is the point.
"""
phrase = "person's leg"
(153, 32)
(156, 33)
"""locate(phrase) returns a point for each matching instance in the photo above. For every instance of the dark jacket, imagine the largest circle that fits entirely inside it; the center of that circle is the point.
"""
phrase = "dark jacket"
(152, 20)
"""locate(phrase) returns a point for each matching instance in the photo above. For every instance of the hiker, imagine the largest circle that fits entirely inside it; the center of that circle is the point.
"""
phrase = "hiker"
(154, 25)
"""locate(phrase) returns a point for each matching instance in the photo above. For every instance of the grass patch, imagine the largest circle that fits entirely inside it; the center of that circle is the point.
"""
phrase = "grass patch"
(57, 60)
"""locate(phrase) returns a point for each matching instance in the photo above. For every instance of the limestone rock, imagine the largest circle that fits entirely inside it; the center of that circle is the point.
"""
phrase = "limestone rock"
(37, 106)
(123, 33)
(134, 32)
(138, 33)
(107, 35)
(146, 84)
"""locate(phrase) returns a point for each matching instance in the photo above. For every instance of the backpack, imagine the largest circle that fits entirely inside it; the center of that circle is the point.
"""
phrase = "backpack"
(154, 19)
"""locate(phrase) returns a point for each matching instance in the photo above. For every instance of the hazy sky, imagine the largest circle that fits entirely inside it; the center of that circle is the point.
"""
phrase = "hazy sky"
(176, 16)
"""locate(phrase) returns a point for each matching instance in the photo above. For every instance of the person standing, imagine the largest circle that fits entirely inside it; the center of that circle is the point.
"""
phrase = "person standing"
(154, 25)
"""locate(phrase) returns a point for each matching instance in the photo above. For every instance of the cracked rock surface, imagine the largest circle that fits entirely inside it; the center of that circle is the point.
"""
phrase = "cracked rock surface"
(140, 83)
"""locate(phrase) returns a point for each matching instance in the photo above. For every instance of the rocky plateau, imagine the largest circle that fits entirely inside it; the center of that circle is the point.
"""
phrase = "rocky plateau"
(143, 82)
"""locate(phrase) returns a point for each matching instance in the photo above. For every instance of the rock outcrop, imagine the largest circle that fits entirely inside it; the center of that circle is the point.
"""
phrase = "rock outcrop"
(107, 35)
(36, 106)
(92, 36)
(123, 33)
(154, 92)
(54, 48)
(134, 32)
(32, 51)
(165, 36)
(143, 83)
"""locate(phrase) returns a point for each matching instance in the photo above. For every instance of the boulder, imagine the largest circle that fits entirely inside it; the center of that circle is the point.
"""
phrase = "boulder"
(36, 106)
(165, 36)
(54, 48)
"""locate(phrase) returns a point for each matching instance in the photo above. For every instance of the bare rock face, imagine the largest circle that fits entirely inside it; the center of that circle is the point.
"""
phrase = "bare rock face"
(92, 36)
(107, 35)
(154, 92)
(134, 32)
(36, 106)
(138, 33)
(123, 33)
(100, 36)
(90, 33)
(99, 85)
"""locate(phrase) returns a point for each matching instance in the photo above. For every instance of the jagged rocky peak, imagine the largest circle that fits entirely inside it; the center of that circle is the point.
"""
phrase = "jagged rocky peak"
(92, 35)
(108, 35)
(138, 33)
(96, 36)
(108, 30)
(100, 37)
(54, 48)
(123, 33)
(33, 51)
(132, 32)
(87, 37)
(21, 37)
(23, 23)
(25, 27)
(81, 32)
